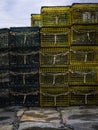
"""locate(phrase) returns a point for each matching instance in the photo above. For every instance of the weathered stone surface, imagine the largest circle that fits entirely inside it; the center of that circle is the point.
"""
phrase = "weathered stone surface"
(25, 125)
(20, 113)
(81, 118)
(7, 117)
(6, 127)
(41, 115)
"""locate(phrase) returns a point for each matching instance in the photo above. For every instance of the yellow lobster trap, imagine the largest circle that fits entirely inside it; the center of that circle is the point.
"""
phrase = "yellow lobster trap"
(56, 15)
(85, 13)
(55, 37)
(83, 75)
(83, 95)
(84, 35)
(54, 96)
(53, 76)
(54, 57)
(83, 55)
(36, 20)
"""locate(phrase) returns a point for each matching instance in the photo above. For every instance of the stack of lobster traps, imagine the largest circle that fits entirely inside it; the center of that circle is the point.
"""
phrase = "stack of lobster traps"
(83, 69)
(24, 66)
(4, 66)
(36, 20)
(54, 56)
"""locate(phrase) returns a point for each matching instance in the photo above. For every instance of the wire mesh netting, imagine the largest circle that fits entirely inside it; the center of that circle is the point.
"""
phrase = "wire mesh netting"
(54, 97)
(53, 76)
(26, 97)
(4, 97)
(84, 35)
(80, 75)
(84, 95)
(54, 57)
(55, 37)
(36, 20)
(84, 55)
(85, 13)
(4, 78)
(24, 57)
(24, 36)
(4, 59)
(56, 16)
(4, 38)
(25, 76)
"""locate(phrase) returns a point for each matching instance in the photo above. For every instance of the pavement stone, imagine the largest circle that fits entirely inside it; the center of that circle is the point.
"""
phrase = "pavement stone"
(6, 127)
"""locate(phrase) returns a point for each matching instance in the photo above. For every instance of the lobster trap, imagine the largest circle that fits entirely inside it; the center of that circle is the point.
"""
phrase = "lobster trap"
(24, 36)
(36, 20)
(24, 57)
(4, 78)
(54, 57)
(55, 37)
(58, 96)
(56, 15)
(83, 95)
(85, 13)
(22, 77)
(4, 59)
(53, 76)
(4, 38)
(4, 97)
(30, 97)
(84, 55)
(84, 35)
(83, 75)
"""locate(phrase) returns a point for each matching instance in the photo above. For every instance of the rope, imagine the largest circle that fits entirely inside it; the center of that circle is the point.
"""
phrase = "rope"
(3, 54)
(55, 39)
(84, 31)
(63, 54)
(22, 33)
(23, 54)
(56, 19)
(85, 94)
(4, 74)
(25, 73)
(84, 74)
(54, 76)
(54, 96)
(47, 33)
(83, 52)
(23, 94)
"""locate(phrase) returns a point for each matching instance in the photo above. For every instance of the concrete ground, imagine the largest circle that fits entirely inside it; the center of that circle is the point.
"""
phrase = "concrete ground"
(60, 118)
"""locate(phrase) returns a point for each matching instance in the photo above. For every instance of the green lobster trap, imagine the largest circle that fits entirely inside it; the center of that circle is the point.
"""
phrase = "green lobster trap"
(24, 37)
(83, 75)
(36, 20)
(4, 38)
(4, 59)
(4, 97)
(4, 78)
(54, 96)
(83, 55)
(84, 13)
(24, 57)
(83, 95)
(55, 37)
(56, 15)
(24, 97)
(53, 76)
(54, 57)
(24, 76)
(84, 35)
